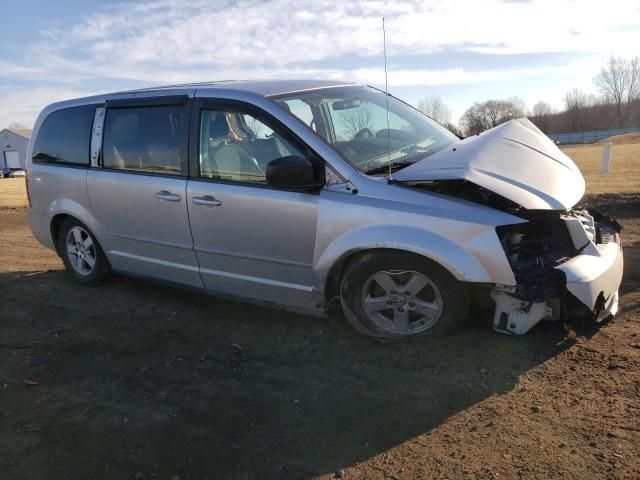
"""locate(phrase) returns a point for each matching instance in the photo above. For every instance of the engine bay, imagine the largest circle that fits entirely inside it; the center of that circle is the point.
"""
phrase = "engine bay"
(534, 249)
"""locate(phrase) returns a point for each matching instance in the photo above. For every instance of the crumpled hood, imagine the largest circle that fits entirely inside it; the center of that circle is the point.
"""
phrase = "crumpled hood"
(514, 160)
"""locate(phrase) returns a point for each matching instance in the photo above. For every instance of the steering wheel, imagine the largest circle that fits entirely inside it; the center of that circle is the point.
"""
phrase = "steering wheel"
(364, 132)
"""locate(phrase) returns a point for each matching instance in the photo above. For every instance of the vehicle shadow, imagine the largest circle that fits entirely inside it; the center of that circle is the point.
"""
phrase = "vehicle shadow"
(133, 377)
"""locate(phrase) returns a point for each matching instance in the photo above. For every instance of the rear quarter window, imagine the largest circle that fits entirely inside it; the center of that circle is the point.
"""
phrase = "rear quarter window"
(65, 136)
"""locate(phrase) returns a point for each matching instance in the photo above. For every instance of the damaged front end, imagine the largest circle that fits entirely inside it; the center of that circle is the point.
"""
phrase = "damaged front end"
(565, 263)
(565, 260)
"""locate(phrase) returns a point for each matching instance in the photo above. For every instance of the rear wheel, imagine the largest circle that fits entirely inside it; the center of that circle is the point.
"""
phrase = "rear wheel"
(81, 253)
(393, 294)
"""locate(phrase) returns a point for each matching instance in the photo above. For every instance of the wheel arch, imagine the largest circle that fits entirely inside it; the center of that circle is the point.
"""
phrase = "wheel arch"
(55, 225)
(61, 209)
(459, 261)
(334, 277)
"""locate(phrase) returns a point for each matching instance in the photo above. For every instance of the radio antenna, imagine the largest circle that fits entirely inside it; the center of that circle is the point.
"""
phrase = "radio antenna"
(386, 91)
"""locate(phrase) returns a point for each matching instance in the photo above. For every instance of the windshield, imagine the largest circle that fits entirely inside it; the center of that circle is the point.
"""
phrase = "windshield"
(353, 120)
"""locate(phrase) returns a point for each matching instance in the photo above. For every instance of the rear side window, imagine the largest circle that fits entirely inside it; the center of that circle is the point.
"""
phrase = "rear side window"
(64, 136)
(146, 139)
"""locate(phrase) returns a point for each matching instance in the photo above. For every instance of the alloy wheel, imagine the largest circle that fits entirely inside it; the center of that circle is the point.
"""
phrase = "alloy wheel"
(81, 251)
(401, 302)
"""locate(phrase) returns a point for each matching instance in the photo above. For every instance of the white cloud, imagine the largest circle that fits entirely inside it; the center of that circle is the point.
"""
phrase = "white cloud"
(460, 76)
(20, 104)
(276, 33)
(168, 41)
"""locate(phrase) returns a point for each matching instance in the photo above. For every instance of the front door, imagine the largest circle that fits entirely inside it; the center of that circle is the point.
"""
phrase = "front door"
(138, 193)
(251, 240)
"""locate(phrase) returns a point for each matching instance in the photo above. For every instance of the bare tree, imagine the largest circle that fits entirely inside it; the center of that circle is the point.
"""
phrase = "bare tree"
(577, 103)
(434, 108)
(519, 107)
(17, 126)
(356, 119)
(453, 129)
(542, 113)
(619, 82)
(575, 99)
(633, 93)
(483, 116)
(541, 109)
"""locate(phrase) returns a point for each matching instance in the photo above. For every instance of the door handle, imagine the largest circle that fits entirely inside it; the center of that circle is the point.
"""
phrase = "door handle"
(207, 201)
(167, 196)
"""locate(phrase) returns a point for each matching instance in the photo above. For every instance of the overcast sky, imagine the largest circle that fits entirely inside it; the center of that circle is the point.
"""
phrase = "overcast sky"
(464, 51)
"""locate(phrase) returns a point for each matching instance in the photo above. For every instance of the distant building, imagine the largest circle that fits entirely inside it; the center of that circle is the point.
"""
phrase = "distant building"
(13, 147)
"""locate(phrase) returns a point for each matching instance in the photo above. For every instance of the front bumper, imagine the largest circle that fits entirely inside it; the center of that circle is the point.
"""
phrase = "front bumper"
(592, 279)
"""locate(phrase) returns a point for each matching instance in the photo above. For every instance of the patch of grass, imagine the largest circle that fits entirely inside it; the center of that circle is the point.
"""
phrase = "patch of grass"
(13, 193)
(624, 170)
(626, 138)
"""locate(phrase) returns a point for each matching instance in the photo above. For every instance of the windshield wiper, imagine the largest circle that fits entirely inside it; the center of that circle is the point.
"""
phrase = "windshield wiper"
(394, 166)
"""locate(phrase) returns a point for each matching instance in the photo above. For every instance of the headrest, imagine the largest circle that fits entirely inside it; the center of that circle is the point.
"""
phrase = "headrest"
(124, 128)
(219, 126)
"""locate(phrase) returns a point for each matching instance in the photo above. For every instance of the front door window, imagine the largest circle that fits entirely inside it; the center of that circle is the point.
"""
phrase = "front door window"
(238, 146)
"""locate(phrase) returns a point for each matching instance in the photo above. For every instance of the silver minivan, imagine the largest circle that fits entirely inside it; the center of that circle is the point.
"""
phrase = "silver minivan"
(306, 194)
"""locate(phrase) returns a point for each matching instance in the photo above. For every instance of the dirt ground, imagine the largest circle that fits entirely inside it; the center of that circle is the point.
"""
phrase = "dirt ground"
(134, 380)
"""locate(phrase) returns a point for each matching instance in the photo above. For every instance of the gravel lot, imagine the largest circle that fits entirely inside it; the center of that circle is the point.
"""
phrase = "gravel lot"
(134, 380)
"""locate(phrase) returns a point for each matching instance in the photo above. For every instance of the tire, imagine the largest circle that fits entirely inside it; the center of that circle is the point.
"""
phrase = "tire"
(421, 298)
(81, 253)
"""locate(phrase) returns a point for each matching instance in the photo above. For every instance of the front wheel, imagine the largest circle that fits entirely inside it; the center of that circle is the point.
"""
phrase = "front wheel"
(81, 253)
(391, 294)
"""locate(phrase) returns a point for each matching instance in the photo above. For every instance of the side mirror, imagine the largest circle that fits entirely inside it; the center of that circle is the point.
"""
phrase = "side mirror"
(292, 172)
